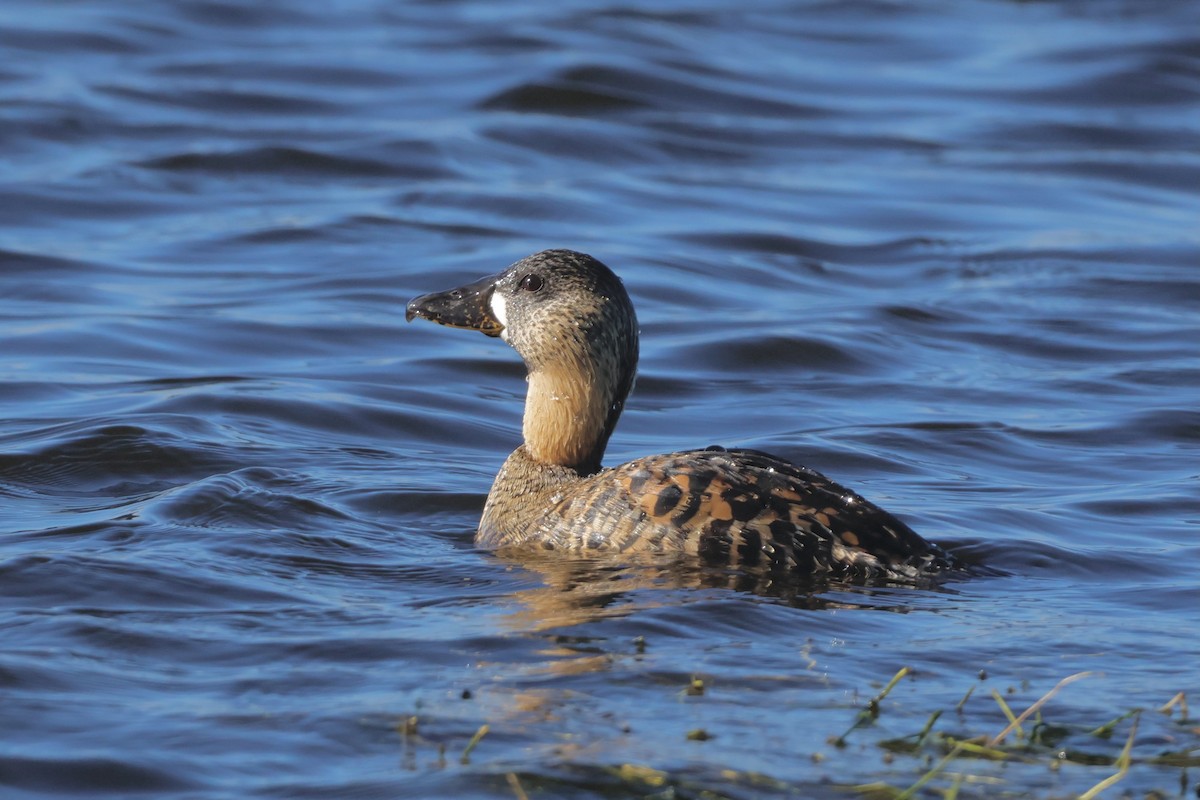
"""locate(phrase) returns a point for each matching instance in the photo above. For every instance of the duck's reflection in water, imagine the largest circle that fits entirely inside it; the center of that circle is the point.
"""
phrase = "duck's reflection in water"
(576, 591)
(595, 655)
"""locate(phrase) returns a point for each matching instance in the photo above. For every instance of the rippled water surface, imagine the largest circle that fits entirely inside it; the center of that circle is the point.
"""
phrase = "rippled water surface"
(946, 253)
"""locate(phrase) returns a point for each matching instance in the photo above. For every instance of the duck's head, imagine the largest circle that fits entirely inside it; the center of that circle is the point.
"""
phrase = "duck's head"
(570, 319)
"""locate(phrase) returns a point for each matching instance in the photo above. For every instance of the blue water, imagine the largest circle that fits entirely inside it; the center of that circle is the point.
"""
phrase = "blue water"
(947, 253)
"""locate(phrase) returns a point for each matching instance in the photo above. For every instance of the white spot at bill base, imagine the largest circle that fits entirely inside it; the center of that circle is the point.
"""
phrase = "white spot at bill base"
(500, 311)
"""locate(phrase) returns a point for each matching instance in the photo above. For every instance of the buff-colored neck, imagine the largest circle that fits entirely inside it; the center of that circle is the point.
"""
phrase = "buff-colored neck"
(566, 418)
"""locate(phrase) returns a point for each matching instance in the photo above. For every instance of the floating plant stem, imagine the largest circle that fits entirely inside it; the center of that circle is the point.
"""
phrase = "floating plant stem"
(999, 737)
(1106, 730)
(1178, 700)
(1123, 762)
(952, 792)
(977, 747)
(970, 691)
(908, 793)
(1013, 724)
(465, 758)
(515, 783)
(928, 726)
(869, 713)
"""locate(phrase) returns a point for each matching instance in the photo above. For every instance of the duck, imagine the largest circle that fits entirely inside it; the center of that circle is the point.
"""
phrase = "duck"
(572, 322)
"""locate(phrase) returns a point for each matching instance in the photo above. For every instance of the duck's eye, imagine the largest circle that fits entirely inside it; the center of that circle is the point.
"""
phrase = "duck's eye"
(532, 282)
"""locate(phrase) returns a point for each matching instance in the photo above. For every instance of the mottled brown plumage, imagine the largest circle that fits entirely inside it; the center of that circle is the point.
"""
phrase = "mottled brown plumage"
(570, 319)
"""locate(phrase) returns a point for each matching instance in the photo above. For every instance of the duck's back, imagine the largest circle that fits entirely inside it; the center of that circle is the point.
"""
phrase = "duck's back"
(738, 508)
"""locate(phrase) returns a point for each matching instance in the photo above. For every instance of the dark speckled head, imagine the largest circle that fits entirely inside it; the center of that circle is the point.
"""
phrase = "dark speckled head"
(571, 320)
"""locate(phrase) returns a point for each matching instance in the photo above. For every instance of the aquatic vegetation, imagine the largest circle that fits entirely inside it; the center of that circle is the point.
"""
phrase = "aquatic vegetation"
(980, 747)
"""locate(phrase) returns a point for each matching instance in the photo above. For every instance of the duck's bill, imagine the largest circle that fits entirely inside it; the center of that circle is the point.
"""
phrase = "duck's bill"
(467, 306)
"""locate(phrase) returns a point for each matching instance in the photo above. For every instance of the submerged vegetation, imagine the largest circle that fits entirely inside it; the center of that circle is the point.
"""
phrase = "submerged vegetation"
(982, 746)
(1031, 738)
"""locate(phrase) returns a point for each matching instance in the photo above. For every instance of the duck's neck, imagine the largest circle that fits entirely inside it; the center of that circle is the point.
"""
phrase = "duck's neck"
(569, 415)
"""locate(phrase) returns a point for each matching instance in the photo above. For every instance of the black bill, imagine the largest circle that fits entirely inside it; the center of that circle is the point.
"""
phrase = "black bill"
(467, 306)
